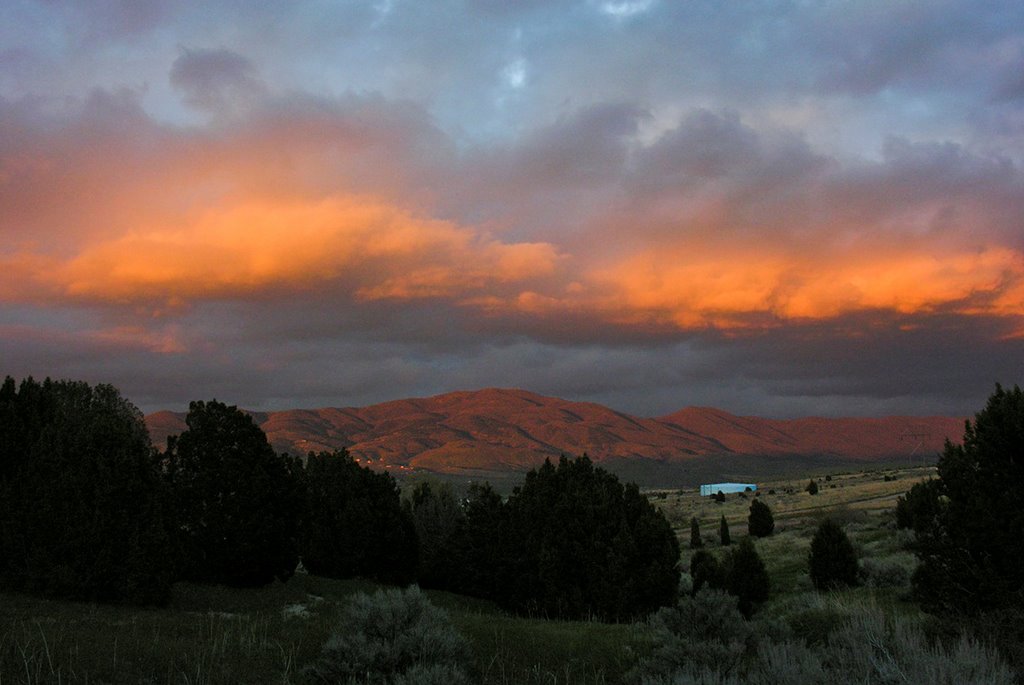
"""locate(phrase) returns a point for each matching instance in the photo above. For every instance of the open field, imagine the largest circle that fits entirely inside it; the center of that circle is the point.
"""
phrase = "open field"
(219, 635)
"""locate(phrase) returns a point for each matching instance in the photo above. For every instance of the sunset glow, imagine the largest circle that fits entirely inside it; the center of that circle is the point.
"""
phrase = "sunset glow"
(633, 203)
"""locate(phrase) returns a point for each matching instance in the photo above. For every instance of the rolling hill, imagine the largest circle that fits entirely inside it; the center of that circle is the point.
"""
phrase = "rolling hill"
(499, 431)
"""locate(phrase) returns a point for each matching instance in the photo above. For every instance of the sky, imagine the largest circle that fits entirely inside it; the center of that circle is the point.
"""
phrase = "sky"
(781, 208)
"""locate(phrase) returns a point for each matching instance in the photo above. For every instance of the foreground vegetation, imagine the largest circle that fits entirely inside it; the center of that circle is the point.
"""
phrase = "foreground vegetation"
(806, 581)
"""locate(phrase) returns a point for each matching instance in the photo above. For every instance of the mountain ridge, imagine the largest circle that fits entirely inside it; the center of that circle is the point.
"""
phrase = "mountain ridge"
(497, 430)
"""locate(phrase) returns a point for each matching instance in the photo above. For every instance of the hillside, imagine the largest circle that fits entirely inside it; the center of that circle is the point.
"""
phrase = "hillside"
(501, 431)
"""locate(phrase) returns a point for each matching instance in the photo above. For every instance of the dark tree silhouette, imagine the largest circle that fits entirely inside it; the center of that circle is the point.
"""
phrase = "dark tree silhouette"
(706, 571)
(747, 577)
(920, 508)
(238, 502)
(760, 522)
(354, 523)
(971, 537)
(832, 561)
(83, 510)
(695, 540)
(723, 532)
(812, 487)
(579, 544)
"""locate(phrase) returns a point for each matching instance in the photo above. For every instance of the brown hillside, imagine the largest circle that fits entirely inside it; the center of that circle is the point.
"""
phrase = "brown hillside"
(512, 430)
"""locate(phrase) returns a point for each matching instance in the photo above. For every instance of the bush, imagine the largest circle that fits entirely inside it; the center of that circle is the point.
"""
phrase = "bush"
(354, 523)
(577, 544)
(812, 487)
(239, 503)
(832, 560)
(703, 632)
(891, 572)
(394, 636)
(760, 522)
(873, 648)
(84, 512)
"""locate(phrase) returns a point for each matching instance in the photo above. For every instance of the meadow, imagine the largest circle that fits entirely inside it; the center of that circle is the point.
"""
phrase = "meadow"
(210, 634)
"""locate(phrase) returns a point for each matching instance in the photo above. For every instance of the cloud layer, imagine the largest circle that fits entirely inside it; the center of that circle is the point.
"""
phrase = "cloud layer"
(783, 211)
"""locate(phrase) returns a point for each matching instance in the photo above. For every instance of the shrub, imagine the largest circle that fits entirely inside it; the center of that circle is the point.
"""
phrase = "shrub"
(695, 541)
(747, 577)
(760, 522)
(238, 502)
(723, 532)
(579, 544)
(832, 559)
(812, 487)
(873, 648)
(893, 572)
(703, 632)
(394, 636)
(355, 524)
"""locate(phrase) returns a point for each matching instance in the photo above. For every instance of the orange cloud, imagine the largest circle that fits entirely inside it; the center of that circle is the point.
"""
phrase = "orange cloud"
(374, 249)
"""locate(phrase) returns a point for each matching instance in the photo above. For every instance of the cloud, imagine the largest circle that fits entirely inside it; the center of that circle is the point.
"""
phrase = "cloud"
(215, 80)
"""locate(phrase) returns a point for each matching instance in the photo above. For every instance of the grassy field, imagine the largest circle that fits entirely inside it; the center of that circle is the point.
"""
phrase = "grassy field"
(220, 635)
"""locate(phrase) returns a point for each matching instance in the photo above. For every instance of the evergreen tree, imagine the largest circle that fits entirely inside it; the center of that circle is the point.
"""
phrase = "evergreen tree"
(920, 508)
(480, 544)
(812, 487)
(239, 503)
(971, 528)
(695, 541)
(832, 561)
(723, 532)
(83, 510)
(706, 571)
(747, 577)
(760, 522)
(355, 524)
(440, 525)
(579, 544)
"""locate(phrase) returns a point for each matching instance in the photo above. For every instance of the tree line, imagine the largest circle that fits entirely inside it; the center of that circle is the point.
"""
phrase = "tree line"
(90, 510)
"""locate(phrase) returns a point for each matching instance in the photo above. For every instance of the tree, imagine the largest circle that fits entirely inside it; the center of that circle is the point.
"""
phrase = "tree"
(971, 528)
(440, 524)
(577, 543)
(760, 522)
(706, 571)
(695, 541)
(238, 502)
(480, 543)
(723, 532)
(747, 577)
(920, 507)
(812, 487)
(832, 561)
(83, 510)
(354, 523)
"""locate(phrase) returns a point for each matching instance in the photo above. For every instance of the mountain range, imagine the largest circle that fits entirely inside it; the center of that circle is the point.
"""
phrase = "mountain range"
(502, 431)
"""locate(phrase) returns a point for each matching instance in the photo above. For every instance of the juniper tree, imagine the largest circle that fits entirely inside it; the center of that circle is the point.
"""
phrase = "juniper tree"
(832, 561)
(760, 522)
(723, 532)
(695, 541)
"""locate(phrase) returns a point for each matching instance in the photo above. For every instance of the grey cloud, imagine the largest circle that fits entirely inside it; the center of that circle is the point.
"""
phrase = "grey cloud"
(215, 80)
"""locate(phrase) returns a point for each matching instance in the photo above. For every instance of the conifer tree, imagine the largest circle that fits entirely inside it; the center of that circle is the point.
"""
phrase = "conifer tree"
(723, 532)
(812, 487)
(832, 561)
(760, 522)
(239, 503)
(747, 577)
(695, 540)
